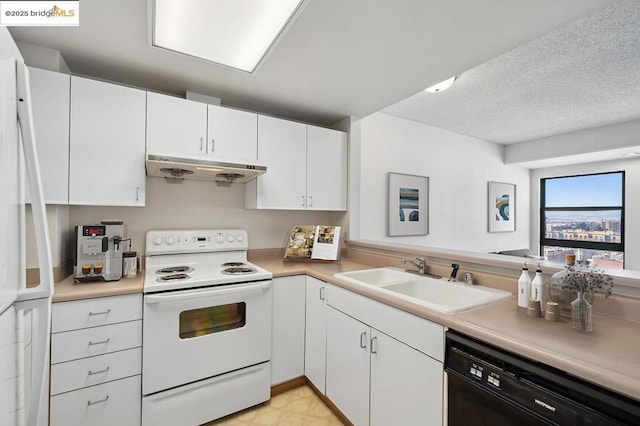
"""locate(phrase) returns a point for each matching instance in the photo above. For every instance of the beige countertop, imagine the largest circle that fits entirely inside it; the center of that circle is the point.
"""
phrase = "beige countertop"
(609, 356)
(67, 290)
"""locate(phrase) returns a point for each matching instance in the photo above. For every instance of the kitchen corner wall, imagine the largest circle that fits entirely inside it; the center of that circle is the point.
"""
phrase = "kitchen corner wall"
(199, 204)
(459, 168)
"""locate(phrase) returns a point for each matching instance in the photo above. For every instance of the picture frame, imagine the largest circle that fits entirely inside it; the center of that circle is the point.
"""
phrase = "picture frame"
(408, 199)
(501, 204)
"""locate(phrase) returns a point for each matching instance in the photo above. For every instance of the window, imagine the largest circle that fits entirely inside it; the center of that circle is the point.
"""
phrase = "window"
(583, 215)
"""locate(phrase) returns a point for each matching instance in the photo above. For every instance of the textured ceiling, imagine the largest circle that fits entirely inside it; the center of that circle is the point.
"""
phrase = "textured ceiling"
(338, 59)
(582, 75)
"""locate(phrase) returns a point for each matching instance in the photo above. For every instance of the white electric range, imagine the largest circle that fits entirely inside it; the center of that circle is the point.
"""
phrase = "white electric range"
(206, 327)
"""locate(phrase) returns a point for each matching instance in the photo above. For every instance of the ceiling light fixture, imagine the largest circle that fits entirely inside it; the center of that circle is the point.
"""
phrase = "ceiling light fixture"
(631, 154)
(235, 33)
(442, 86)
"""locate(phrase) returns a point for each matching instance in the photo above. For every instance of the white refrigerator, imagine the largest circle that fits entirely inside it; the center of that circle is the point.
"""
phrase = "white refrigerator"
(23, 312)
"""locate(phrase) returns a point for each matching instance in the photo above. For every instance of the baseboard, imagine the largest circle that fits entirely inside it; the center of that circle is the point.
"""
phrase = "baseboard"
(335, 410)
(287, 386)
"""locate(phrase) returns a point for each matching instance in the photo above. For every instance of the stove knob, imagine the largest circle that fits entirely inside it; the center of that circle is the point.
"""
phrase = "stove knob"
(239, 238)
(170, 240)
(157, 241)
(220, 238)
(230, 238)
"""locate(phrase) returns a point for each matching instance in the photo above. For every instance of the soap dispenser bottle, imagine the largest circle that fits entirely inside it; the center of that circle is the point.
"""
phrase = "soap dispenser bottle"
(524, 287)
(537, 289)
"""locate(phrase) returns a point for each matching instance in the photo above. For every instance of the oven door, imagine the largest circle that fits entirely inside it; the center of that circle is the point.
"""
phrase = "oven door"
(190, 335)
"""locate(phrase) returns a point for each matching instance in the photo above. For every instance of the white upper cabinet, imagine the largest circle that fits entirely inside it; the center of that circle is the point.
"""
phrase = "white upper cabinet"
(176, 126)
(306, 167)
(231, 134)
(50, 101)
(326, 169)
(107, 144)
(282, 148)
(186, 128)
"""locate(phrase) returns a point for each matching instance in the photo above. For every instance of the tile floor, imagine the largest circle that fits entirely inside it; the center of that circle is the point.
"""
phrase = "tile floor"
(300, 407)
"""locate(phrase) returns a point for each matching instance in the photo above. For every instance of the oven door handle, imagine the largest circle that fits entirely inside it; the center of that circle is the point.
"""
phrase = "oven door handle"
(217, 291)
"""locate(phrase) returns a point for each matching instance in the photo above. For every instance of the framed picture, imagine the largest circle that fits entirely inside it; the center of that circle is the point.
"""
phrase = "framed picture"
(408, 205)
(502, 207)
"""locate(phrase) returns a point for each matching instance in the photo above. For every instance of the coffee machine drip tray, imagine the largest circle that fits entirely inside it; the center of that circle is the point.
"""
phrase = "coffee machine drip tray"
(97, 278)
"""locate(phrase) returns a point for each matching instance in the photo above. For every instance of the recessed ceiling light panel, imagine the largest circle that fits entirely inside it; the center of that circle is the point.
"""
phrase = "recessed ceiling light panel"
(235, 33)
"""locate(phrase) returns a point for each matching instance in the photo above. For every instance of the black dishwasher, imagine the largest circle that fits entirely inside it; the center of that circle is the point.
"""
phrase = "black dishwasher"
(490, 386)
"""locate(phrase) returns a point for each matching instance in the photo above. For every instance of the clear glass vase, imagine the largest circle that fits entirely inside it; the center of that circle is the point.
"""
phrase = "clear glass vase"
(559, 295)
(581, 319)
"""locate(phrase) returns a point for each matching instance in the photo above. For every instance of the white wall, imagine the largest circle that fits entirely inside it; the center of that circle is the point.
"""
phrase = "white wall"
(632, 200)
(60, 237)
(197, 204)
(459, 168)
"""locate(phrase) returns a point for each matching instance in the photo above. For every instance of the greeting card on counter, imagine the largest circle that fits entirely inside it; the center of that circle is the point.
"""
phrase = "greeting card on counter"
(320, 242)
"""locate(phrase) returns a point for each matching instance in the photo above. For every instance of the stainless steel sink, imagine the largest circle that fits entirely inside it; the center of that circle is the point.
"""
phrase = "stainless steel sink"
(437, 294)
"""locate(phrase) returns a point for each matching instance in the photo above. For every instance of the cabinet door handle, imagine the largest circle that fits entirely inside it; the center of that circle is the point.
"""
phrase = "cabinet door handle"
(93, 314)
(321, 293)
(137, 193)
(310, 201)
(201, 142)
(105, 399)
(101, 342)
(363, 340)
(92, 373)
(302, 200)
(213, 144)
(374, 340)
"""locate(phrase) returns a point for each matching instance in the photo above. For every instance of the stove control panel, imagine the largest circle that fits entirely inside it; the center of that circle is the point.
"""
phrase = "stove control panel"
(195, 241)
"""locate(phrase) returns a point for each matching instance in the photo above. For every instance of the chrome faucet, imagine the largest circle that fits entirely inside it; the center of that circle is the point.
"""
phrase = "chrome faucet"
(419, 262)
(454, 271)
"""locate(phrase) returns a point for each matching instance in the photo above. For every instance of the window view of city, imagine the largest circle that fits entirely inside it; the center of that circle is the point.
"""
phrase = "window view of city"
(573, 212)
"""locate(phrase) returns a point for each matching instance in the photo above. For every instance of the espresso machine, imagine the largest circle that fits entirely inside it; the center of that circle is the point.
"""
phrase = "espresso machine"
(98, 252)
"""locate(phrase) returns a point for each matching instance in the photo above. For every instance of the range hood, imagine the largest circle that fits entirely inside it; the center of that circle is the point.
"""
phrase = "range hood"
(176, 169)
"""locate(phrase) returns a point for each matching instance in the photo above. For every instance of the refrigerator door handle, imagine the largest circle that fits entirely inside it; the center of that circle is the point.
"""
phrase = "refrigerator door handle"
(25, 119)
(39, 297)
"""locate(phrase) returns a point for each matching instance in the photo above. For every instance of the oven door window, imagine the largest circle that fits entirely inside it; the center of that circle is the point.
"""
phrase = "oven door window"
(213, 319)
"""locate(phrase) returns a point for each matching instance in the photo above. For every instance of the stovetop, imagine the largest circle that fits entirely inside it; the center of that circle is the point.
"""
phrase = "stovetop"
(184, 259)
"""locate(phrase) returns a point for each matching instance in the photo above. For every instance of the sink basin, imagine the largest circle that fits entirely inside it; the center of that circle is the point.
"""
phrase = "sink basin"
(377, 277)
(437, 294)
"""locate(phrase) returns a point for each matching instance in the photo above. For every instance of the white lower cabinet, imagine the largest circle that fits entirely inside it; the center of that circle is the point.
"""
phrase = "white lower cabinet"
(108, 404)
(348, 365)
(315, 343)
(287, 347)
(96, 362)
(375, 377)
(406, 385)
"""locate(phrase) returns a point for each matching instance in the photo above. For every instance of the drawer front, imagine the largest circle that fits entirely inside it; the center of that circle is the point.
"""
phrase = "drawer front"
(77, 344)
(114, 403)
(73, 375)
(419, 333)
(86, 313)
